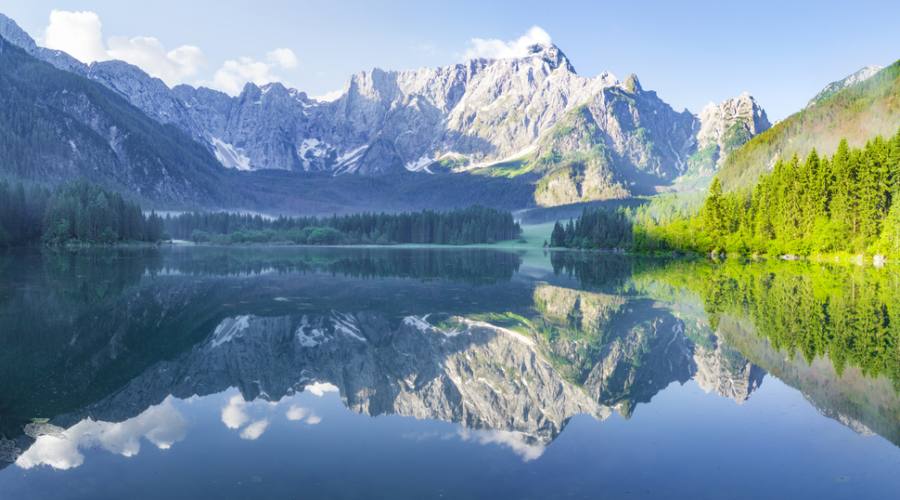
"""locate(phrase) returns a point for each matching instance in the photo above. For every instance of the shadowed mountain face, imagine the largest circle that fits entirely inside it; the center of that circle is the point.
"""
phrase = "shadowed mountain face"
(57, 126)
(103, 339)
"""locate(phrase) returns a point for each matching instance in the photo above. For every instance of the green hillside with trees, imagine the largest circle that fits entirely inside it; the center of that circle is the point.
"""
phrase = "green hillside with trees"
(842, 203)
(846, 202)
(857, 114)
(845, 314)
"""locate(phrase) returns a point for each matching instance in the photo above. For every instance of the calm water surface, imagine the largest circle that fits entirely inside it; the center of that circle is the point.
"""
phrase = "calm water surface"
(407, 373)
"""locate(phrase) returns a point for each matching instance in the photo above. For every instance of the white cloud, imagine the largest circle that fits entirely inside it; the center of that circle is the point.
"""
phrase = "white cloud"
(235, 73)
(296, 413)
(81, 35)
(78, 33)
(163, 425)
(515, 441)
(284, 58)
(173, 67)
(493, 48)
(334, 95)
(255, 430)
(320, 388)
(233, 414)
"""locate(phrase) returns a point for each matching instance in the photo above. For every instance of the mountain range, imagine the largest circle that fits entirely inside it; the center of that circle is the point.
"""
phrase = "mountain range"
(531, 120)
(510, 133)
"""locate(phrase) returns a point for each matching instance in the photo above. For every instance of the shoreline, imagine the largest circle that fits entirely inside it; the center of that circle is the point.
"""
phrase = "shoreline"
(861, 259)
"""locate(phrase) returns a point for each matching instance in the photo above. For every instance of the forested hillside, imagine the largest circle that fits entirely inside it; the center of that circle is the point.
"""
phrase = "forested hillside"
(857, 114)
(596, 228)
(847, 202)
(57, 126)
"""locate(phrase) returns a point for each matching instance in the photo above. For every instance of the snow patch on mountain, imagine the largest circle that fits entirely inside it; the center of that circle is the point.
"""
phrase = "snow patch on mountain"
(309, 335)
(347, 324)
(229, 329)
(230, 156)
(420, 165)
(348, 162)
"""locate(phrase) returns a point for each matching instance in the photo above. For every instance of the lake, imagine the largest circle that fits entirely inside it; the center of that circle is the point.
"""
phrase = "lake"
(444, 373)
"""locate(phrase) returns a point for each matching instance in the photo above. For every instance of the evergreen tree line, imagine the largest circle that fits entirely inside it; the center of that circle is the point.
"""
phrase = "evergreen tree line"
(76, 213)
(845, 203)
(465, 226)
(842, 203)
(594, 228)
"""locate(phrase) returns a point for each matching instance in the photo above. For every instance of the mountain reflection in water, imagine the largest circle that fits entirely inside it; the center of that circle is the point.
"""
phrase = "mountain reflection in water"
(107, 349)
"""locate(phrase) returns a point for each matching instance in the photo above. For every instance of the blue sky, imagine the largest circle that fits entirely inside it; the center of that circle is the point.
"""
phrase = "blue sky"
(691, 53)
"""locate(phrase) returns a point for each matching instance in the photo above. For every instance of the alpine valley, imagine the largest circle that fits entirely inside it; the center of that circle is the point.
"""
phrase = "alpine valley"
(508, 133)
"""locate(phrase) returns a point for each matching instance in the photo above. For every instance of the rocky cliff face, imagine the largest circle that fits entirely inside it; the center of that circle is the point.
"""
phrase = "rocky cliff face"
(725, 371)
(725, 127)
(578, 138)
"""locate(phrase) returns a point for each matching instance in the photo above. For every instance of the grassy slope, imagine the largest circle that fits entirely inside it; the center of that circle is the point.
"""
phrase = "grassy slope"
(857, 113)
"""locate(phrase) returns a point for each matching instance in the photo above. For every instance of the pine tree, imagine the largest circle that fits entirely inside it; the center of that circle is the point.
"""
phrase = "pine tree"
(889, 243)
(713, 213)
(558, 236)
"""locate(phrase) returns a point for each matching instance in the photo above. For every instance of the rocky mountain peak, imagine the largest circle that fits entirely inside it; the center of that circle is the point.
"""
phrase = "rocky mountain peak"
(716, 118)
(632, 84)
(725, 127)
(552, 55)
(855, 78)
(16, 35)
